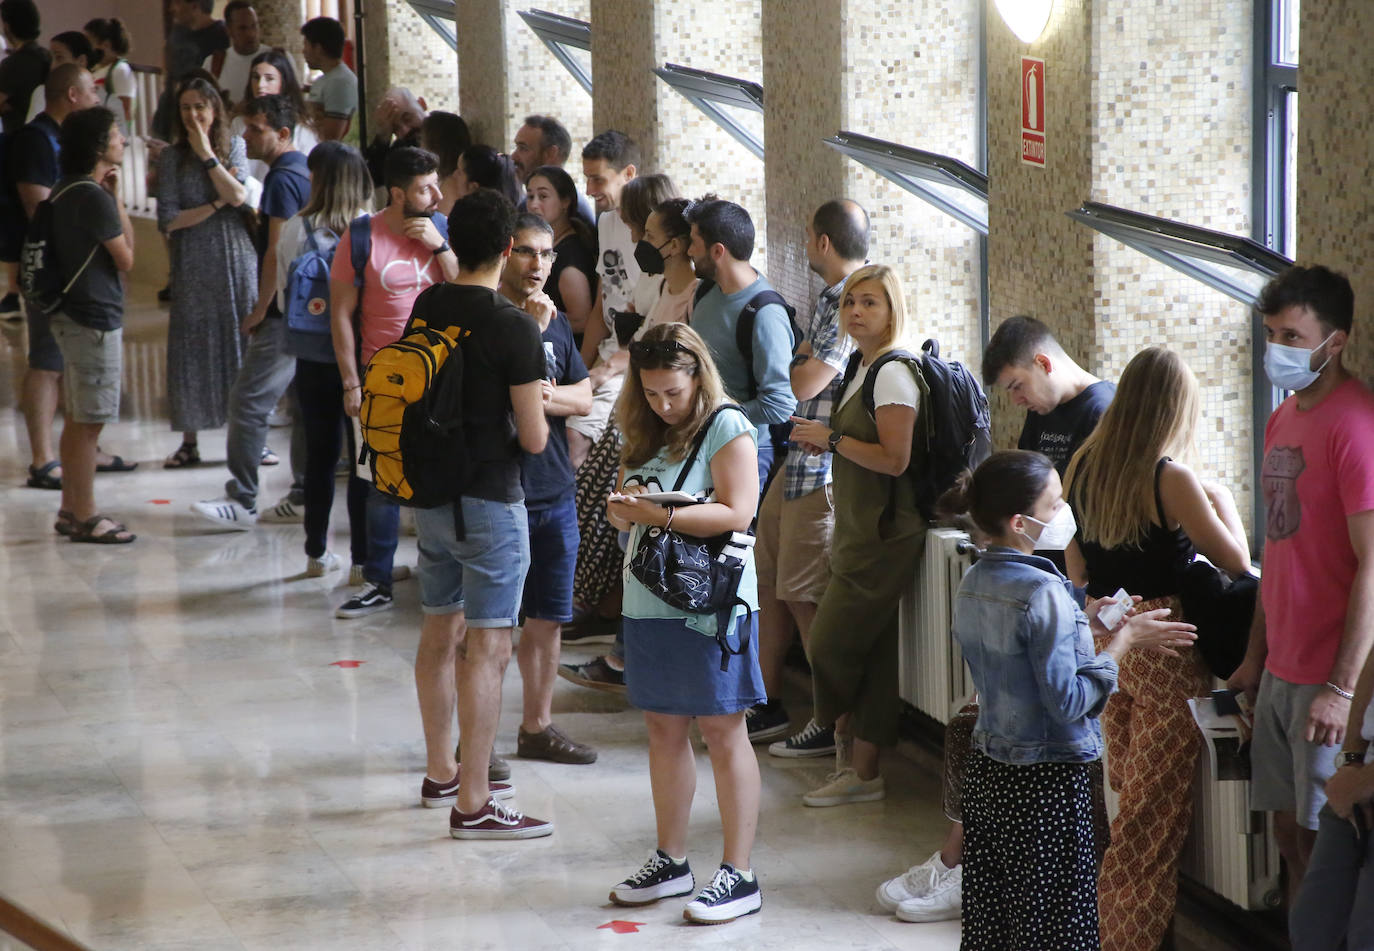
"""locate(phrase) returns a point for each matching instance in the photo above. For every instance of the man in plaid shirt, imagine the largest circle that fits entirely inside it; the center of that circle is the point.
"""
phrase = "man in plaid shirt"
(797, 515)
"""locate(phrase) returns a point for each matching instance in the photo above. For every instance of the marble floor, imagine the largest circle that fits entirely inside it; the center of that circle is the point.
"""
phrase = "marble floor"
(185, 764)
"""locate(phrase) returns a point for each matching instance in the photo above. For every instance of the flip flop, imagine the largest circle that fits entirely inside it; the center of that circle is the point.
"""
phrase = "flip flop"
(41, 477)
(117, 464)
(117, 534)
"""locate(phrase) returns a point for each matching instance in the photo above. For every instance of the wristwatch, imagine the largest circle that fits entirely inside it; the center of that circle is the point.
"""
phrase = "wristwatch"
(834, 440)
(209, 163)
(441, 249)
(1350, 758)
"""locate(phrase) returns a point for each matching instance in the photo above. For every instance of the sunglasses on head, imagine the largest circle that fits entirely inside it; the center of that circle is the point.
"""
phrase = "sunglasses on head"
(641, 351)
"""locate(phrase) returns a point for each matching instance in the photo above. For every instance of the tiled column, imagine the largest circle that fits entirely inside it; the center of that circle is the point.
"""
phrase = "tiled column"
(1040, 262)
(623, 59)
(279, 24)
(803, 83)
(404, 50)
(1336, 138)
(482, 81)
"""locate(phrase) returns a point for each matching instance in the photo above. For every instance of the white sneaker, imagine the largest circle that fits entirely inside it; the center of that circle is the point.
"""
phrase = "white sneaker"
(284, 512)
(944, 902)
(844, 786)
(398, 573)
(915, 882)
(279, 418)
(227, 513)
(321, 566)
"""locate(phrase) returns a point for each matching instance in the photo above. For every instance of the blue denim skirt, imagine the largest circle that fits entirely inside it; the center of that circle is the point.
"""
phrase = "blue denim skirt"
(672, 669)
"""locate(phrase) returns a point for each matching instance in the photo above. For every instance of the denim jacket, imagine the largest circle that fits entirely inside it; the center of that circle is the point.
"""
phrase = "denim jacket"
(1026, 641)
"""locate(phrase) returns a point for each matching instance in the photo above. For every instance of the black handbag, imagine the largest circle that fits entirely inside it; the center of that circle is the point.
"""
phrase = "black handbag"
(1222, 611)
(692, 574)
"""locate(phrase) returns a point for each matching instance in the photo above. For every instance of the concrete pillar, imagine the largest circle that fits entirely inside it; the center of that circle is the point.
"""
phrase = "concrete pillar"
(801, 106)
(1335, 201)
(623, 58)
(483, 80)
(279, 24)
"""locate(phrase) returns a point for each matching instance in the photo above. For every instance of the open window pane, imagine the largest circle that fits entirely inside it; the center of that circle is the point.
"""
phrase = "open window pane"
(439, 14)
(1236, 266)
(957, 189)
(569, 40)
(736, 105)
(1286, 15)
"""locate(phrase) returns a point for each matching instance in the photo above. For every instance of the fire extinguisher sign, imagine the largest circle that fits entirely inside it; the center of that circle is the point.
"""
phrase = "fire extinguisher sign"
(1033, 111)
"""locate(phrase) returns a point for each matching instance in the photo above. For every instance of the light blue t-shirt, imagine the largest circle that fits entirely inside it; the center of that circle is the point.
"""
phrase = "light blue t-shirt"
(662, 473)
(715, 317)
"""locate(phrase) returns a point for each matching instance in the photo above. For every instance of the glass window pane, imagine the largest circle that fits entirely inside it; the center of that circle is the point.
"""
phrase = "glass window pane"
(1286, 16)
(736, 105)
(568, 39)
(1290, 174)
(945, 182)
(440, 17)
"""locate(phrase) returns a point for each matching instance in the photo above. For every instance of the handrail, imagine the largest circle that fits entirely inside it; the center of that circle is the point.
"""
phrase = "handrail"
(33, 932)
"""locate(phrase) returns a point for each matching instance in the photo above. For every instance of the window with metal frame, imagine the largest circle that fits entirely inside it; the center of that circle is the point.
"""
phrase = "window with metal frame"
(736, 105)
(1276, 124)
(441, 17)
(957, 189)
(568, 39)
(1236, 266)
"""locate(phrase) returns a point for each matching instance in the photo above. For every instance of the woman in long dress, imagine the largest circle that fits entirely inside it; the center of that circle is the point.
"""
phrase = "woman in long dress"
(214, 264)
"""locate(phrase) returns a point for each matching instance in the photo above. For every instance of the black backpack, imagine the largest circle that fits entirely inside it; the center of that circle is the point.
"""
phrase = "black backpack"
(744, 327)
(953, 429)
(40, 273)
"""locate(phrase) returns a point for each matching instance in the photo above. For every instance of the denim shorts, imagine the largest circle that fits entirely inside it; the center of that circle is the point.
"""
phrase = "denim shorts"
(484, 573)
(94, 367)
(553, 556)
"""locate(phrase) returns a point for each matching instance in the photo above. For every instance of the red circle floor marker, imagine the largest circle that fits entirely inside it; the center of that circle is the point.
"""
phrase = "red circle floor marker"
(348, 663)
(622, 927)
(160, 501)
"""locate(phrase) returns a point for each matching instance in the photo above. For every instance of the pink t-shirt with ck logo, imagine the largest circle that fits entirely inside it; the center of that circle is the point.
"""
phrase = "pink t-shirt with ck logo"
(1318, 470)
(398, 269)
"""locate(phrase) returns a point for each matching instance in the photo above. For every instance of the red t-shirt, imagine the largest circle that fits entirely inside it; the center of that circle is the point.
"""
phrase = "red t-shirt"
(1318, 470)
(398, 269)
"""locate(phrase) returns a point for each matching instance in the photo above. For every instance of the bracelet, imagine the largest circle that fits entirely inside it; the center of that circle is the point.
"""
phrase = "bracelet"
(1338, 691)
(669, 524)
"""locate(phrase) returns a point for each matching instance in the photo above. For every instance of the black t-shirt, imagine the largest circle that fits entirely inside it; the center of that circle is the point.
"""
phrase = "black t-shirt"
(501, 348)
(284, 193)
(84, 217)
(548, 476)
(21, 72)
(575, 253)
(31, 155)
(1060, 432)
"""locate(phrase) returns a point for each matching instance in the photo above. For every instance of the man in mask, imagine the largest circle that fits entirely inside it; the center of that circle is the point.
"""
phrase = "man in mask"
(1314, 623)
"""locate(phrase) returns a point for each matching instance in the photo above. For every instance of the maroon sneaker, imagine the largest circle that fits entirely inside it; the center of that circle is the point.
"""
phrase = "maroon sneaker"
(495, 821)
(433, 795)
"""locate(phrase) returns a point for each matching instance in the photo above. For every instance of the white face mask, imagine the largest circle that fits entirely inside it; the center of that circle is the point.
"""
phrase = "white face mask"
(1055, 534)
(1290, 368)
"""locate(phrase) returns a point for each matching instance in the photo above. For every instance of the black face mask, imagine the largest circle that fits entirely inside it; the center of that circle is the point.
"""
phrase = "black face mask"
(648, 257)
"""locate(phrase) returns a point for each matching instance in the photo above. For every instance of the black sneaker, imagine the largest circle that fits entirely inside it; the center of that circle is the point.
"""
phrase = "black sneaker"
(726, 897)
(659, 877)
(370, 600)
(9, 307)
(766, 721)
(596, 674)
(590, 629)
(813, 740)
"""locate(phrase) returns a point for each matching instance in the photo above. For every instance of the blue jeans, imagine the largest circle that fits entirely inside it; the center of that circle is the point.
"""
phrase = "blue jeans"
(383, 532)
(553, 555)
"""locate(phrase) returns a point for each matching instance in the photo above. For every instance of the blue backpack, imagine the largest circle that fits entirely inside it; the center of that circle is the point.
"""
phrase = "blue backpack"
(307, 283)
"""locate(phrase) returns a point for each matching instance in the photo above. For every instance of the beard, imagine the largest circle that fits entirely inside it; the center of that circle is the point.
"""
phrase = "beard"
(705, 268)
(410, 211)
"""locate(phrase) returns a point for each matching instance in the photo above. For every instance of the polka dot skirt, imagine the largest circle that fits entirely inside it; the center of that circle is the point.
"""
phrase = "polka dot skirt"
(1030, 867)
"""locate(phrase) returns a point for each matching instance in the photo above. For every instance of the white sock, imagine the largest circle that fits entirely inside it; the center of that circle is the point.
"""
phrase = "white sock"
(746, 873)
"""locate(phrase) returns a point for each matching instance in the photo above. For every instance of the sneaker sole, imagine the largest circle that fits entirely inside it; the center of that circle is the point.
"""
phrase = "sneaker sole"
(362, 612)
(225, 525)
(843, 800)
(944, 914)
(535, 833)
(629, 903)
(771, 733)
(699, 919)
(591, 684)
(584, 760)
(280, 520)
(792, 752)
(312, 571)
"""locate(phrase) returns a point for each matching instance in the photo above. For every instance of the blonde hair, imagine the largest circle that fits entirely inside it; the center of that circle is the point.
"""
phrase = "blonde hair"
(891, 284)
(643, 433)
(1153, 414)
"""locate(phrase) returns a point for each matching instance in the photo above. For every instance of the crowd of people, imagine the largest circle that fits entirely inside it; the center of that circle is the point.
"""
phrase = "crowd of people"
(620, 343)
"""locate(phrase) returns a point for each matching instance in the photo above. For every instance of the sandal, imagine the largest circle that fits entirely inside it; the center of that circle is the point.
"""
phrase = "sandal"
(66, 523)
(116, 464)
(116, 534)
(41, 477)
(187, 454)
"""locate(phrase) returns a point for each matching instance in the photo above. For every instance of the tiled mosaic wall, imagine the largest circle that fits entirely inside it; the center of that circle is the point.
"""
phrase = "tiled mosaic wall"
(1171, 137)
(1336, 139)
(722, 36)
(623, 57)
(1039, 261)
(417, 58)
(539, 83)
(911, 77)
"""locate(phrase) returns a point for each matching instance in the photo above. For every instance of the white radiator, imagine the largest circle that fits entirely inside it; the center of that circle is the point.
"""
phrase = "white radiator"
(1230, 851)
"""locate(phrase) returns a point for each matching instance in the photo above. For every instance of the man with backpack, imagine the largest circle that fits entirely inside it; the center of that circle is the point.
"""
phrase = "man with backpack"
(267, 370)
(91, 243)
(797, 516)
(31, 169)
(379, 269)
(722, 243)
(475, 548)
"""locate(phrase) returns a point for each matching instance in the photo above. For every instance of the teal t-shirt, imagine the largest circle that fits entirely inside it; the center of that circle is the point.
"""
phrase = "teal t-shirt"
(661, 473)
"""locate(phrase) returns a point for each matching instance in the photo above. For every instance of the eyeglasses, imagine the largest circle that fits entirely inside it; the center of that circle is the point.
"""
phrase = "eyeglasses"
(641, 351)
(548, 256)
